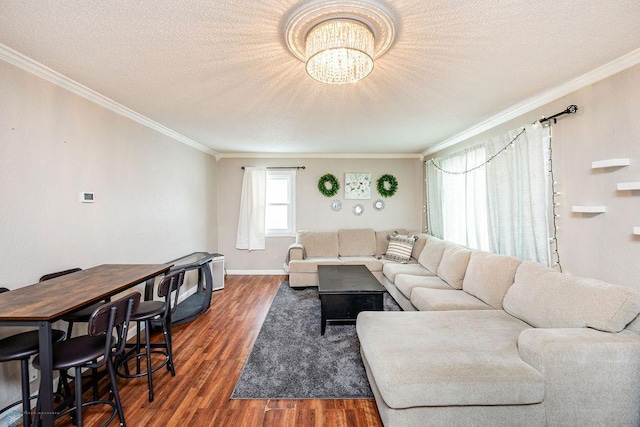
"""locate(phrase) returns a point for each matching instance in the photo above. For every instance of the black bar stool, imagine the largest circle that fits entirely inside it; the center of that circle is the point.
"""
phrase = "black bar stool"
(148, 312)
(20, 347)
(105, 340)
(79, 316)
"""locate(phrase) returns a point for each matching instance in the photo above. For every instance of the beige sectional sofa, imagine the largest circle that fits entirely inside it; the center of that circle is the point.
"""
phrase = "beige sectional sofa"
(473, 279)
(485, 339)
(349, 246)
(489, 340)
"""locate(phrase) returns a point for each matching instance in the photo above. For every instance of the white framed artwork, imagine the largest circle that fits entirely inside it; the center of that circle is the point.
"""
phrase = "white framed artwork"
(357, 186)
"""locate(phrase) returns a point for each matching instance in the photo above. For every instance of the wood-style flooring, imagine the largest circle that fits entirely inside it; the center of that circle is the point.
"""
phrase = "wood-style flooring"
(209, 355)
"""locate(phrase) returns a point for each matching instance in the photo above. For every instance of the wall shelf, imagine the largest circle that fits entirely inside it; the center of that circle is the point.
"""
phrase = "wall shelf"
(610, 163)
(628, 186)
(589, 209)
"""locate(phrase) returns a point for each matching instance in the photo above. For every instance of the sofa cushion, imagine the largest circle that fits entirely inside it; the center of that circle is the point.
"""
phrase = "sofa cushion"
(431, 255)
(319, 243)
(634, 325)
(440, 299)
(391, 269)
(310, 265)
(545, 298)
(407, 282)
(357, 242)
(489, 276)
(454, 265)
(371, 262)
(440, 358)
(421, 241)
(400, 247)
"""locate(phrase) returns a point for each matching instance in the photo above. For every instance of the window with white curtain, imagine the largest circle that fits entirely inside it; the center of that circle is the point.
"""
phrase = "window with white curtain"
(280, 218)
(465, 211)
(494, 196)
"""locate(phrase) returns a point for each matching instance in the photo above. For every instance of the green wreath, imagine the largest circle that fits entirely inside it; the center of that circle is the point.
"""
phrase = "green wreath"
(387, 185)
(328, 185)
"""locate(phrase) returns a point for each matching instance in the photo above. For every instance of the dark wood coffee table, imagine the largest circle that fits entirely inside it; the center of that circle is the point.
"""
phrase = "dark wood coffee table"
(345, 291)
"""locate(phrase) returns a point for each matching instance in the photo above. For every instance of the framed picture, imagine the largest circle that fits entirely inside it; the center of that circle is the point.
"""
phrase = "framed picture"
(357, 186)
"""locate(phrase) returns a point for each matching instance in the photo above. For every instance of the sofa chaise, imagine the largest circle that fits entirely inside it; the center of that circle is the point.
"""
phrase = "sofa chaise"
(496, 341)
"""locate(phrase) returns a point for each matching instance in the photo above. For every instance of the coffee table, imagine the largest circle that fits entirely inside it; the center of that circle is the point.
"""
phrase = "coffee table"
(345, 291)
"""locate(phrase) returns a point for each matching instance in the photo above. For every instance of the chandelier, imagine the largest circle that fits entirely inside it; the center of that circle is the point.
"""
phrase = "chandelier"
(339, 40)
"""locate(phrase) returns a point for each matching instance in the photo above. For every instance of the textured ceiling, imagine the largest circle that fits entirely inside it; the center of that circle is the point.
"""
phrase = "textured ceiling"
(219, 72)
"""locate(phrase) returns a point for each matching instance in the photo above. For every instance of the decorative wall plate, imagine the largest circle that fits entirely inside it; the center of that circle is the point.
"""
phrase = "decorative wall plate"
(336, 205)
(378, 205)
(358, 209)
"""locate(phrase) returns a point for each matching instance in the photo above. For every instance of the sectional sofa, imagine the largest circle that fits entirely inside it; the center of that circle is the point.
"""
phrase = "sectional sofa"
(489, 340)
(349, 246)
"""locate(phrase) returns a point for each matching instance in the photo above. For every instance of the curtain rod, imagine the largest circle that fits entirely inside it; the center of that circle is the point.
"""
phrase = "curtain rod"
(571, 109)
(281, 167)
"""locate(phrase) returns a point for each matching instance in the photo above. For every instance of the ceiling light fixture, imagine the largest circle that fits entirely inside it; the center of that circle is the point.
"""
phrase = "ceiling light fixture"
(339, 40)
(339, 51)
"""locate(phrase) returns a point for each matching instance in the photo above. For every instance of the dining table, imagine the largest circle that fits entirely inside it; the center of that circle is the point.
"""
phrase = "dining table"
(42, 304)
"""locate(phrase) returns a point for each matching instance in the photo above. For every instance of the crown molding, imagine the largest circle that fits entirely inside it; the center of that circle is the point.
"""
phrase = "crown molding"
(600, 73)
(316, 156)
(21, 61)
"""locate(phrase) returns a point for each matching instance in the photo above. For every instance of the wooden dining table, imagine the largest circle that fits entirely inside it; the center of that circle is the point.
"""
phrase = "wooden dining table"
(43, 303)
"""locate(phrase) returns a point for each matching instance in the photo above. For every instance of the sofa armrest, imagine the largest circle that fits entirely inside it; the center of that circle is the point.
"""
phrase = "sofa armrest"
(540, 346)
(587, 373)
(296, 252)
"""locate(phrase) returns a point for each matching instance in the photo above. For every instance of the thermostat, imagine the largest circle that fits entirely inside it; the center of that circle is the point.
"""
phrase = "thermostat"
(86, 197)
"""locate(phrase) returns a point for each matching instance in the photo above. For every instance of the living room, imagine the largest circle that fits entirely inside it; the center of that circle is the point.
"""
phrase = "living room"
(160, 195)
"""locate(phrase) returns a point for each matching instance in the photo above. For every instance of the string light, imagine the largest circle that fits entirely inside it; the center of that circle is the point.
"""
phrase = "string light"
(554, 203)
(486, 162)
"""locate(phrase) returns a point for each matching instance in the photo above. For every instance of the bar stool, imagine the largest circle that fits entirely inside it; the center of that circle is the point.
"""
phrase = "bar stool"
(105, 340)
(148, 312)
(79, 316)
(20, 347)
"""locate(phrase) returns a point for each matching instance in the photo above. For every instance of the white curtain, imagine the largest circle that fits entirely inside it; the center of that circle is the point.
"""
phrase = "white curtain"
(501, 206)
(435, 222)
(517, 195)
(462, 197)
(251, 222)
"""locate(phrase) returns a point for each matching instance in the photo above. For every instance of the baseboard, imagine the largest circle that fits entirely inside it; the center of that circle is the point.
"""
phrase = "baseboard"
(257, 272)
(184, 295)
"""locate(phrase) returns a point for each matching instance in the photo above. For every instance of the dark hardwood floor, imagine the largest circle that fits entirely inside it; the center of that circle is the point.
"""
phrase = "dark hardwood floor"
(209, 355)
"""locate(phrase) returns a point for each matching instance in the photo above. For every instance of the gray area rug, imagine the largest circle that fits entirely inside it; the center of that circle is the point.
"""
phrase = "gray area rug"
(291, 360)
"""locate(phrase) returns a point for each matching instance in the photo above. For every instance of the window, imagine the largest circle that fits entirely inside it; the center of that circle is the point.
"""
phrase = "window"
(495, 196)
(280, 218)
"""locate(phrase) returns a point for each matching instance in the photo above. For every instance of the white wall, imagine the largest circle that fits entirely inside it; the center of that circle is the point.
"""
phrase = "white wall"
(404, 210)
(155, 197)
(606, 126)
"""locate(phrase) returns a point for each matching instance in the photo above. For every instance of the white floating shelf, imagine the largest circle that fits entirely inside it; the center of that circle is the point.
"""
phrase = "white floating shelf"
(628, 186)
(636, 231)
(589, 209)
(610, 163)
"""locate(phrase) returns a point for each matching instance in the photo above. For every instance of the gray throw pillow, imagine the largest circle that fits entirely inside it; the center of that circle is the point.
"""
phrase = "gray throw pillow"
(400, 247)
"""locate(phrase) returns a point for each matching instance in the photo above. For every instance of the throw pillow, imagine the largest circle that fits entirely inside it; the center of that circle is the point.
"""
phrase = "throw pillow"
(400, 247)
